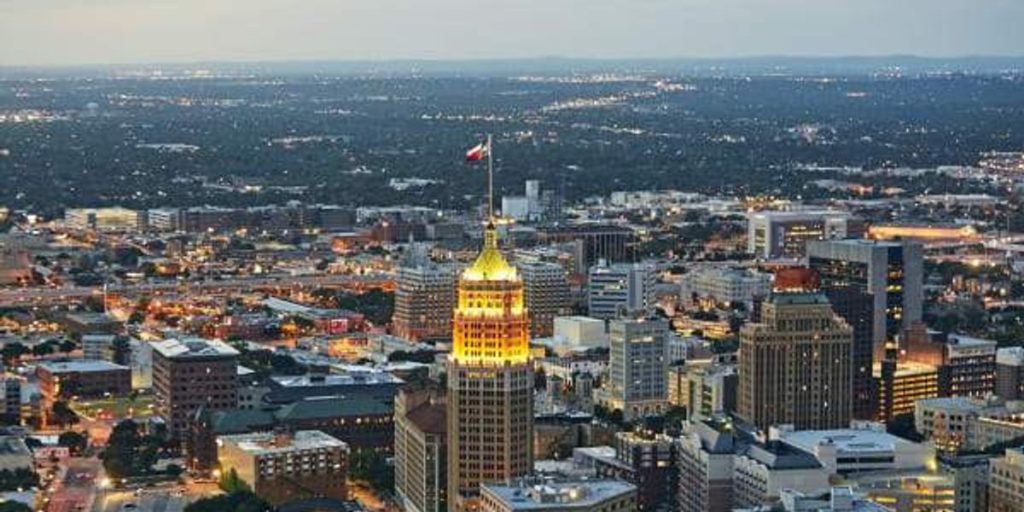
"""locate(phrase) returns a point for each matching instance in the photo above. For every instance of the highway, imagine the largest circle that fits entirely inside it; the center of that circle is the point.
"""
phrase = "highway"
(43, 296)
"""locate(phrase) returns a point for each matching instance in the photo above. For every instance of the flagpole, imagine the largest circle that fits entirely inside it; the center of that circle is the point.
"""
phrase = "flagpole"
(490, 180)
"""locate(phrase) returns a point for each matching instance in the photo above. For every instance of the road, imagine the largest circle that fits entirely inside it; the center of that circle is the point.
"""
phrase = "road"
(170, 497)
(40, 296)
(75, 492)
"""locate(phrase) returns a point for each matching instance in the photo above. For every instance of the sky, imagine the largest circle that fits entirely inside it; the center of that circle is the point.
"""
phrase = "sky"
(72, 32)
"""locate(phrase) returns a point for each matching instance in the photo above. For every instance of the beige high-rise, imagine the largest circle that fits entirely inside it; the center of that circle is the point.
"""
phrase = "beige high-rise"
(796, 365)
(490, 380)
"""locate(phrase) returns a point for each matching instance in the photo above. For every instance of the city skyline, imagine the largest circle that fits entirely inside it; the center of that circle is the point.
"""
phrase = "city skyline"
(160, 31)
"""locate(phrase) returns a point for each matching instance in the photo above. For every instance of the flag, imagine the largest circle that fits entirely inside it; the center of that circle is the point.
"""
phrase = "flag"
(477, 153)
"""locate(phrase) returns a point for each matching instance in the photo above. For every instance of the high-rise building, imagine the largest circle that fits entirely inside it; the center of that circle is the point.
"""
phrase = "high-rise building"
(967, 365)
(1005, 494)
(548, 295)
(614, 289)
(424, 299)
(645, 460)
(282, 466)
(704, 458)
(796, 364)
(421, 453)
(637, 376)
(857, 308)
(1010, 373)
(900, 384)
(785, 234)
(546, 495)
(490, 379)
(595, 242)
(193, 373)
(892, 272)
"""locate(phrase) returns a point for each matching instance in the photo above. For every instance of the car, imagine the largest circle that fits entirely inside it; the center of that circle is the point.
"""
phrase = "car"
(129, 506)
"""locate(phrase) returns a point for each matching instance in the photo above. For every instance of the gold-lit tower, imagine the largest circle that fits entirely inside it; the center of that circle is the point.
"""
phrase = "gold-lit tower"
(490, 379)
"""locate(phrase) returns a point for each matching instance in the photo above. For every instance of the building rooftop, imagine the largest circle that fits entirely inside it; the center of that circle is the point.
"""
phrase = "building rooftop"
(781, 456)
(850, 440)
(582, 494)
(193, 347)
(429, 418)
(80, 366)
(1010, 356)
(334, 379)
(266, 443)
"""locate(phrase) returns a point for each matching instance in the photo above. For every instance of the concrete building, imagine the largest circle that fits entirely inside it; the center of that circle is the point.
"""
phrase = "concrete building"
(546, 495)
(924, 490)
(105, 219)
(785, 234)
(865, 447)
(581, 331)
(899, 385)
(548, 295)
(704, 460)
(830, 499)
(761, 472)
(892, 272)
(796, 364)
(705, 388)
(643, 459)
(594, 242)
(424, 300)
(490, 379)
(193, 373)
(282, 467)
(962, 423)
(527, 207)
(622, 287)
(966, 365)
(725, 285)
(637, 366)
(421, 452)
(1009, 377)
(62, 380)
(1005, 492)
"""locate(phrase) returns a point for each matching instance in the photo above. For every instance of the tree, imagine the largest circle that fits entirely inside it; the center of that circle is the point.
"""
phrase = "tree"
(243, 501)
(371, 467)
(14, 506)
(42, 349)
(63, 415)
(74, 441)
(122, 349)
(21, 478)
(12, 352)
(129, 452)
(68, 346)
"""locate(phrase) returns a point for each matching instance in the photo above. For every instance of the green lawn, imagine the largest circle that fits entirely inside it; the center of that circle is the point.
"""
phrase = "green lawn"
(115, 408)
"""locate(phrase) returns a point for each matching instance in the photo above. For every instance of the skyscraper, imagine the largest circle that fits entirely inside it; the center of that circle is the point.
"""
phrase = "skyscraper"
(547, 295)
(892, 272)
(618, 288)
(424, 298)
(796, 363)
(638, 370)
(490, 379)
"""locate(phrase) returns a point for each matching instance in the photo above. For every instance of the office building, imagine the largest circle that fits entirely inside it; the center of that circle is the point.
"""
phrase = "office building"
(421, 450)
(193, 373)
(704, 461)
(282, 467)
(105, 219)
(891, 272)
(614, 289)
(490, 379)
(546, 495)
(1009, 377)
(857, 308)
(1006, 494)
(547, 293)
(796, 364)
(725, 285)
(62, 380)
(966, 365)
(528, 207)
(705, 388)
(862, 448)
(971, 424)
(424, 300)
(762, 471)
(643, 459)
(581, 332)
(900, 384)
(637, 382)
(785, 234)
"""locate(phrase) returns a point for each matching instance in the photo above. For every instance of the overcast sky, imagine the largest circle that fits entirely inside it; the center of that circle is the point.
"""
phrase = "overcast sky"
(45, 32)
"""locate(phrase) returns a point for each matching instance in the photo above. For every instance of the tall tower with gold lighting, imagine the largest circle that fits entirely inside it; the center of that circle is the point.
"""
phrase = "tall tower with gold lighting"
(490, 379)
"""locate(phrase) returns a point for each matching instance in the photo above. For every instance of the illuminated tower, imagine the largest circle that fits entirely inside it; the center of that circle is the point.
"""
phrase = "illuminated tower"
(490, 379)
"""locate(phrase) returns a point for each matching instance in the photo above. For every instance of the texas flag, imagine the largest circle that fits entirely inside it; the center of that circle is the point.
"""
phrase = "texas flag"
(477, 153)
